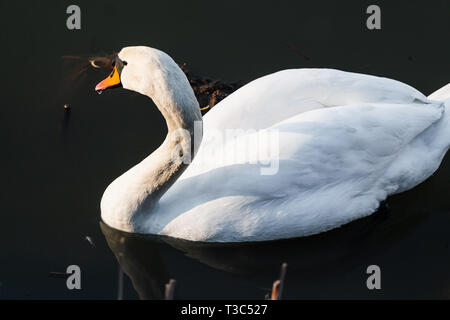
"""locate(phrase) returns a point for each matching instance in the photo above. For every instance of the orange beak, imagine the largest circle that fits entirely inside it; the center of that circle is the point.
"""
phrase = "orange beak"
(112, 80)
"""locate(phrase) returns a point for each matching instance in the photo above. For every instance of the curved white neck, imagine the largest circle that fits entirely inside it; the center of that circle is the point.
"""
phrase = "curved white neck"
(131, 197)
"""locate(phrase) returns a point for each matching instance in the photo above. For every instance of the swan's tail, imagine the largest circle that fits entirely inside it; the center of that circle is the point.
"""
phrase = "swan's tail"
(441, 94)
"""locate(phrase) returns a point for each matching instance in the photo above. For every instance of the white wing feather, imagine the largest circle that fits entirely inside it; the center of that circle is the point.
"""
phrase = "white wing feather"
(333, 169)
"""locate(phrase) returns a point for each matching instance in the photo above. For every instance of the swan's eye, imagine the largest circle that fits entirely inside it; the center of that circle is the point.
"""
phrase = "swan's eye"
(119, 64)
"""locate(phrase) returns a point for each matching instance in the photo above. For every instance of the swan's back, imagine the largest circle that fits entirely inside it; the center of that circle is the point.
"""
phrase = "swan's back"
(281, 95)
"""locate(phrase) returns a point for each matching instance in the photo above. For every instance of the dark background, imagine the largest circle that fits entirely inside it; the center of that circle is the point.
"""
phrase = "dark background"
(55, 168)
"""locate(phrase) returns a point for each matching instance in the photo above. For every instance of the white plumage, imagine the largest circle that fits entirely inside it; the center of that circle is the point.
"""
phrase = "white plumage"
(346, 142)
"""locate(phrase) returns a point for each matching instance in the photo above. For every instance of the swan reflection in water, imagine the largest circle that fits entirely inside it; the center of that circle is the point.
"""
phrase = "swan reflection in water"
(317, 264)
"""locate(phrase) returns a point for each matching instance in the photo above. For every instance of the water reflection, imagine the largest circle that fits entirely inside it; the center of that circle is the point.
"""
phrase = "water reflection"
(140, 259)
(314, 262)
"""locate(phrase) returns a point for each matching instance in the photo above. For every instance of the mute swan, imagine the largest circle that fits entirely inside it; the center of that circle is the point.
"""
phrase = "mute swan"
(345, 142)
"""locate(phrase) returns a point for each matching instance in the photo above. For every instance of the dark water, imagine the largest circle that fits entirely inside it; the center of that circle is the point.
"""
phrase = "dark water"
(55, 167)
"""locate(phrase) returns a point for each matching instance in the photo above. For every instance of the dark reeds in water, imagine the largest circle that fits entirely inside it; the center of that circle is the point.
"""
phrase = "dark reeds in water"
(278, 285)
(170, 289)
(82, 64)
(209, 92)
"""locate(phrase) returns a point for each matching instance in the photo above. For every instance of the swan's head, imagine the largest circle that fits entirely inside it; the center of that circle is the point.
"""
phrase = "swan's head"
(153, 73)
(144, 70)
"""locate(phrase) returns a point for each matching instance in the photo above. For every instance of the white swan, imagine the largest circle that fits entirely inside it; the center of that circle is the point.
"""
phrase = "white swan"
(346, 141)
